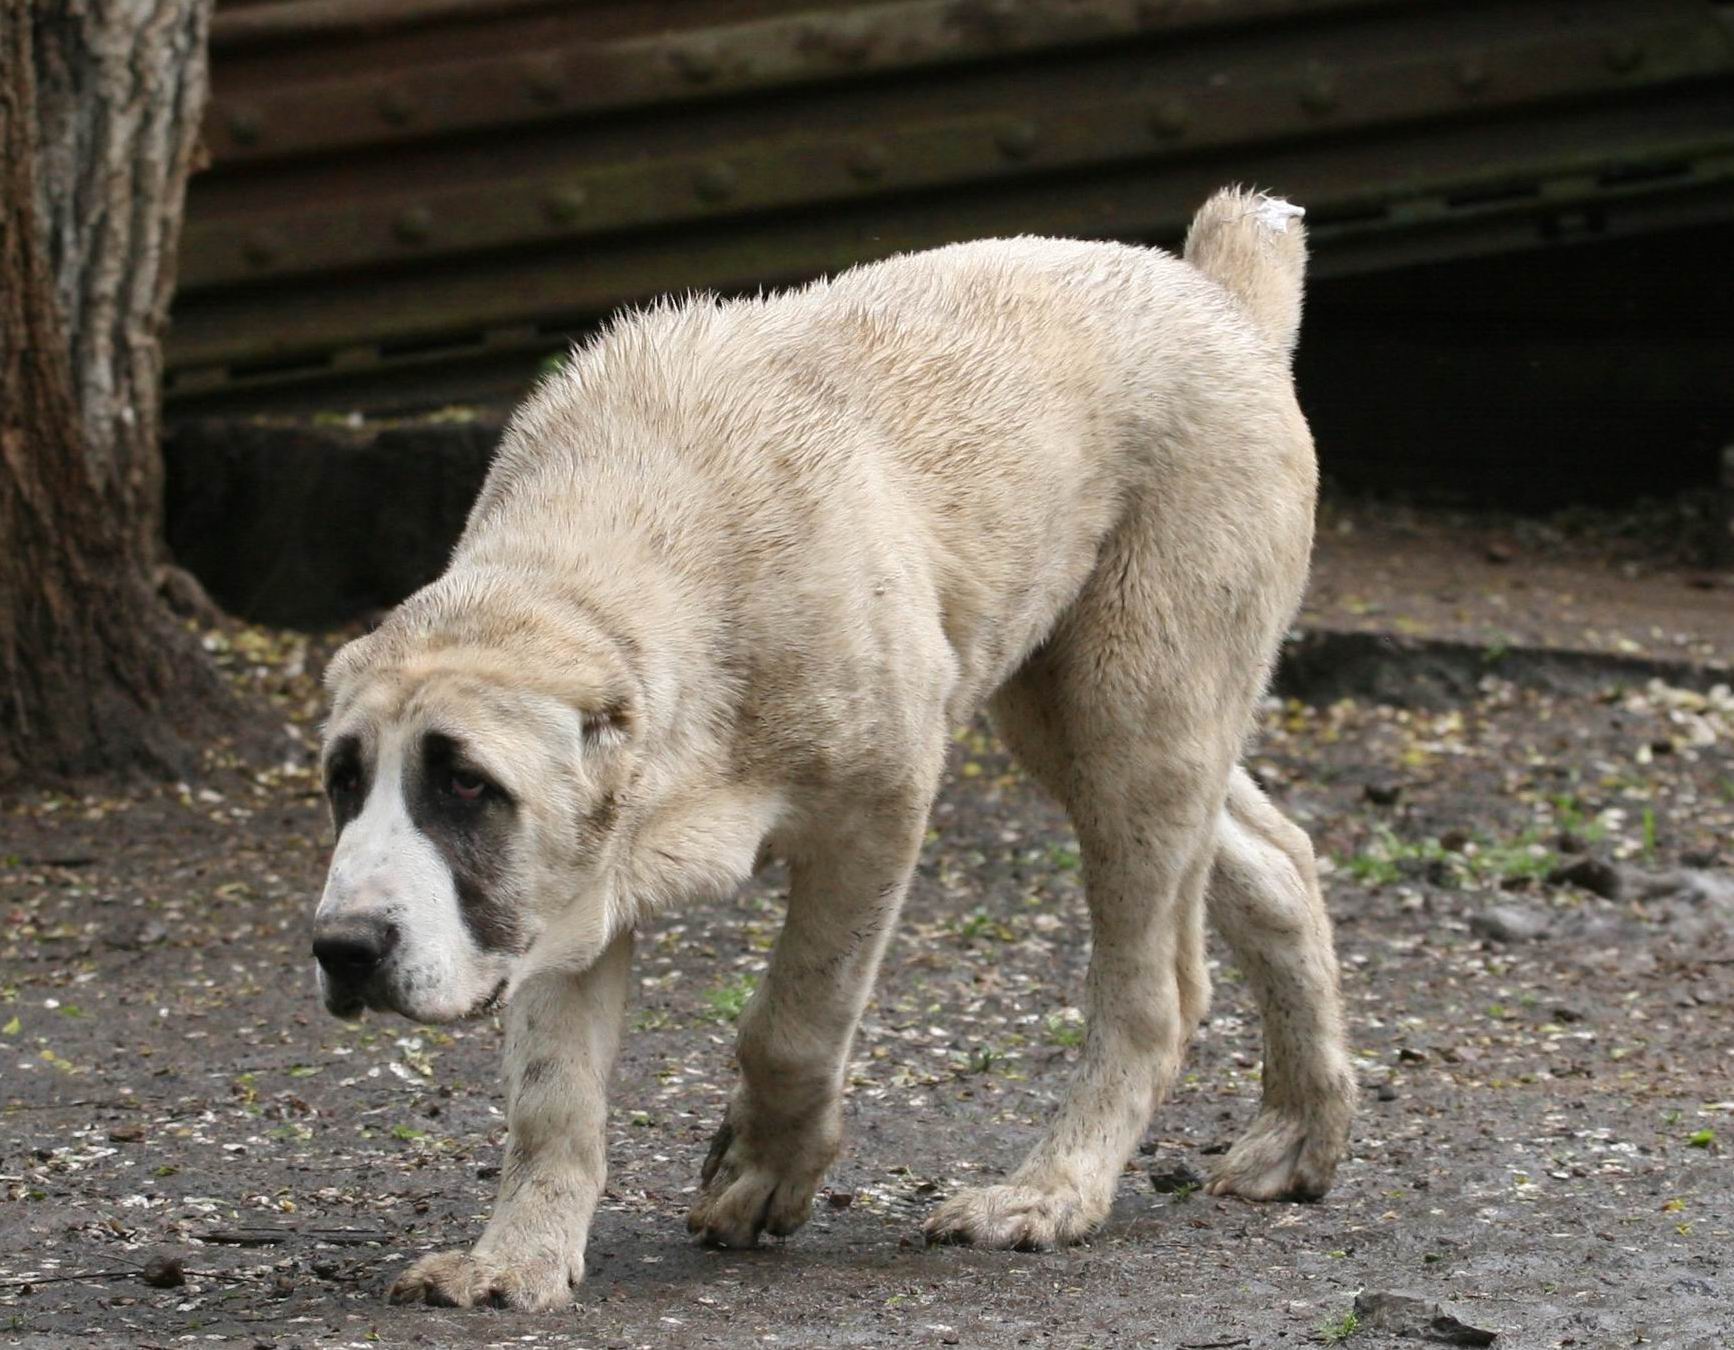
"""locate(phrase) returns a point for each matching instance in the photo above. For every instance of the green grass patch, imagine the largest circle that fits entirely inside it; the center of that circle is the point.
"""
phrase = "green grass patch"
(1387, 859)
(1065, 857)
(978, 923)
(1571, 817)
(726, 1002)
(1062, 1030)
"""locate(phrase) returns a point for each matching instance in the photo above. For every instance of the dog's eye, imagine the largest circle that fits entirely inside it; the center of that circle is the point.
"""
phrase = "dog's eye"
(468, 787)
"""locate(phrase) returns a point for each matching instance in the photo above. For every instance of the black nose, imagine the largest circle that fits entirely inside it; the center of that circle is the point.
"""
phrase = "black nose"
(352, 949)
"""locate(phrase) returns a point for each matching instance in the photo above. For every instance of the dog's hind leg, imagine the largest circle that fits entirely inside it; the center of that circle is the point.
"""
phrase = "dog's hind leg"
(1265, 900)
(1140, 756)
(783, 1127)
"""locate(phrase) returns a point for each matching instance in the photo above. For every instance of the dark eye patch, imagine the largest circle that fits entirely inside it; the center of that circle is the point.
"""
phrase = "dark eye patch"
(449, 771)
(345, 780)
(473, 833)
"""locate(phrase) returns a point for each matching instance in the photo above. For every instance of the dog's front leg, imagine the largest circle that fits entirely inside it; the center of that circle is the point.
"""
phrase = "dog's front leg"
(784, 1122)
(562, 1032)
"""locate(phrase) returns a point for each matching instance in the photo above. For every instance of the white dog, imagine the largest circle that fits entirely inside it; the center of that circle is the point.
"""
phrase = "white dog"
(735, 574)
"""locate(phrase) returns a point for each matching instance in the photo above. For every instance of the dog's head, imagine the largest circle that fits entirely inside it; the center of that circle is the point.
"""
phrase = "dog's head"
(475, 775)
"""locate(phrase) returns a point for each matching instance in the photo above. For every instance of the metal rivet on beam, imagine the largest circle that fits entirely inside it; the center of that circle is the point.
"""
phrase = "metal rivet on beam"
(868, 161)
(1172, 116)
(262, 248)
(696, 64)
(1319, 92)
(1017, 141)
(1624, 55)
(715, 182)
(395, 106)
(414, 226)
(851, 49)
(245, 128)
(565, 205)
(542, 80)
(1471, 75)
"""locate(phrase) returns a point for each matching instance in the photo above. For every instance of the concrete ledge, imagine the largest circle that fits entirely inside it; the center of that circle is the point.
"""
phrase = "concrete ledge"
(313, 524)
(306, 525)
(1323, 666)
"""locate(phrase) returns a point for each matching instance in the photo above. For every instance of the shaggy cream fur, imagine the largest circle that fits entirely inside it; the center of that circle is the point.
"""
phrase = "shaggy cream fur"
(736, 572)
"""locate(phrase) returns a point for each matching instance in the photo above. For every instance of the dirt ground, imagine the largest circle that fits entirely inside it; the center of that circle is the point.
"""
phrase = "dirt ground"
(1546, 1059)
(1624, 584)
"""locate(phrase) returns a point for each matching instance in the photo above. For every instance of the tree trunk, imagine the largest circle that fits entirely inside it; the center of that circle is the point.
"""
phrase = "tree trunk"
(100, 103)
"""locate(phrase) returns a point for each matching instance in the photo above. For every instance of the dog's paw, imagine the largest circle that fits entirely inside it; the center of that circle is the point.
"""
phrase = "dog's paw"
(749, 1190)
(466, 1280)
(1282, 1157)
(1020, 1218)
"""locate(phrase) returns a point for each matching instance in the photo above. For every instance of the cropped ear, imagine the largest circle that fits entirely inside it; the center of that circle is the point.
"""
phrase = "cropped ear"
(609, 724)
(350, 658)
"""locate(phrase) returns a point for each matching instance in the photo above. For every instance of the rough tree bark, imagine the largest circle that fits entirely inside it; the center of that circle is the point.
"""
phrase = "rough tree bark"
(99, 113)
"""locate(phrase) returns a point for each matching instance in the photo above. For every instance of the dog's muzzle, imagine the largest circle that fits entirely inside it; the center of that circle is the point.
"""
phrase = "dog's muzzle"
(352, 952)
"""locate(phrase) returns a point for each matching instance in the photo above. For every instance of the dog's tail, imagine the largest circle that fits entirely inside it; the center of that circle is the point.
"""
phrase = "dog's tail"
(1256, 247)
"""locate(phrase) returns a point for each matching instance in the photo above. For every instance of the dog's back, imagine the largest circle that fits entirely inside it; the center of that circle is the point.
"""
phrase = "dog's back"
(964, 425)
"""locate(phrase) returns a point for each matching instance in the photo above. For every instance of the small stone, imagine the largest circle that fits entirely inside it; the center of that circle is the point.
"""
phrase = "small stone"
(1179, 1177)
(1566, 1013)
(1454, 841)
(164, 1272)
(1410, 1055)
(1416, 1319)
(1383, 794)
(126, 1134)
(135, 937)
(1693, 887)
(1508, 923)
(840, 1199)
(1567, 842)
(1386, 1093)
(1589, 874)
(1498, 552)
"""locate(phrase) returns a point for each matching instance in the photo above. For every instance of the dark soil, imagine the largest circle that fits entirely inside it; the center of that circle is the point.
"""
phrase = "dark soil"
(1541, 1149)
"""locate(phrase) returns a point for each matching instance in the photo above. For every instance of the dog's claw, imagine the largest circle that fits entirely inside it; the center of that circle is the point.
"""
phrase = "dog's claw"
(465, 1280)
(1282, 1157)
(744, 1195)
(1015, 1218)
